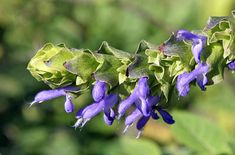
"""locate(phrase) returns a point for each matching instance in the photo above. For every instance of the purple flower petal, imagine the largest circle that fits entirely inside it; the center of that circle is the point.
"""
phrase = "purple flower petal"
(142, 122)
(197, 49)
(231, 65)
(46, 95)
(153, 100)
(182, 84)
(98, 91)
(109, 120)
(132, 117)
(166, 116)
(144, 107)
(79, 113)
(109, 102)
(202, 81)
(70, 88)
(68, 105)
(154, 115)
(92, 110)
(125, 104)
(185, 35)
(141, 92)
(198, 42)
(143, 88)
(199, 73)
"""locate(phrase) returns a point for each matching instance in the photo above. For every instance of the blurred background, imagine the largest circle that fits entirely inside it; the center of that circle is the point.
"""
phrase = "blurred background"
(205, 121)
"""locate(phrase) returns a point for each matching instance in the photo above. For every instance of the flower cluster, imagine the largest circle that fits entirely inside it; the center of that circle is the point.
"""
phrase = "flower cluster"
(102, 102)
(146, 106)
(199, 73)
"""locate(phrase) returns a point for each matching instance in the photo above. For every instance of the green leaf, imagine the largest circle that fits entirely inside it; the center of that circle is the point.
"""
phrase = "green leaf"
(199, 134)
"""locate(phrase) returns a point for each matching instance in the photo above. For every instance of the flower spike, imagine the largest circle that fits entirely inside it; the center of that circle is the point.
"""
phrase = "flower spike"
(186, 58)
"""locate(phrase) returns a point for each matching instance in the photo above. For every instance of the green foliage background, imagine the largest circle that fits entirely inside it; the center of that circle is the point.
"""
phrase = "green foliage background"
(205, 121)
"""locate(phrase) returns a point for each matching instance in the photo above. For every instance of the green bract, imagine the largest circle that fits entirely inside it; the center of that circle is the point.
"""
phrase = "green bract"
(48, 65)
(222, 30)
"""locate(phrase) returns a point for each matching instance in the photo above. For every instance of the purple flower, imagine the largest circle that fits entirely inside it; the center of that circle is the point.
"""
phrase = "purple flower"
(199, 73)
(68, 105)
(165, 115)
(231, 65)
(46, 95)
(102, 102)
(198, 42)
(137, 115)
(99, 90)
(141, 92)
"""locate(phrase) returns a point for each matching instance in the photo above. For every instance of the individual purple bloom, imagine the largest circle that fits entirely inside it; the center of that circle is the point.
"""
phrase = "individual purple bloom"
(138, 116)
(106, 104)
(199, 73)
(46, 95)
(130, 119)
(198, 42)
(109, 114)
(99, 90)
(141, 92)
(231, 65)
(102, 102)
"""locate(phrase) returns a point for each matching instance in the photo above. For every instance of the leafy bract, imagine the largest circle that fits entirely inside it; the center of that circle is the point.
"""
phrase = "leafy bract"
(47, 65)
